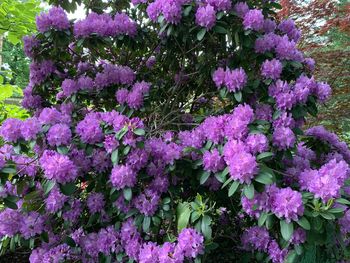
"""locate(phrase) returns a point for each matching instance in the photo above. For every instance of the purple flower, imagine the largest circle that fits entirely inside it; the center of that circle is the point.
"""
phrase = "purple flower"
(29, 43)
(39, 71)
(257, 143)
(55, 201)
(55, 18)
(10, 130)
(148, 253)
(326, 182)
(150, 62)
(85, 83)
(206, 16)
(59, 134)
(299, 236)
(33, 224)
(276, 254)
(122, 95)
(212, 161)
(69, 87)
(50, 116)
(241, 8)
(123, 176)
(242, 167)
(95, 202)
(235, 79)
(283, 138)
(58, 167)
(323, 91)
(147, 202)
(10, 222)
(288, 27)
(253, 19)
(219, 77)
(110, 143)
(256, 238)
(190, 242)
(101, 161)
(287, 203)
(30, 128)
(271, 69)
(220, 5)
(89, 129)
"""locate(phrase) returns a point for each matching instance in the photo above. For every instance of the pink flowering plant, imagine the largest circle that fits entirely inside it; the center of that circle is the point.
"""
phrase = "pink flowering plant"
(172, 131)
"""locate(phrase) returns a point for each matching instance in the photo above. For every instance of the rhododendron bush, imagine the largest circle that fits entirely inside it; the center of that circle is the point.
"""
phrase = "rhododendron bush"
(172, 131)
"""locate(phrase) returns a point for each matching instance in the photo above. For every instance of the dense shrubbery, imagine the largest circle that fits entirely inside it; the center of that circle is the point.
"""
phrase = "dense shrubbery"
(172, 133)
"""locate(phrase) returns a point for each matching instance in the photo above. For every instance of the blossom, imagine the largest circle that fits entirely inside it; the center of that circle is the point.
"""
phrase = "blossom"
(219, 77)
(59, 134)
(283, 138)
(271, 69)
(235, 79)
(148, 253)
(58, 167)
(253, 19)
(95, 202)
(147, 202)
(257, 143)
(89, 129)
(55, 201)
(241, 8)
(33, 224)
(190, 242)
(212, 161)
(256, 238)
(55, 18)
(276, 254)
(10, 222)
(287, 203)
(123, 176)
(10, 130)
(206, 16)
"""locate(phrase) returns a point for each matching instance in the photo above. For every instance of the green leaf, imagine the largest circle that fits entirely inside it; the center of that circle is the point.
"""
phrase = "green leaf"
(287, 230)
(221, 177)
(229, 180)
(264, 178)
(343, 201)
(140, 132)
(62, 150)
(10, 204)
(146, 223)
(327, 215)
(262, 219)
(249, 191)
(68, 189)
(8, 170)
(304, 223)
(194, 216)
(127, 194)
(233, 188)
(336, 210)
(238, 96)
(220, 30)
(48, 185)
(201, 34)
(187, 10)
(205, 227)
(119, 135)
(69, 241)
(183, 213)
(115, 157)
(264, 155)
(204, 177)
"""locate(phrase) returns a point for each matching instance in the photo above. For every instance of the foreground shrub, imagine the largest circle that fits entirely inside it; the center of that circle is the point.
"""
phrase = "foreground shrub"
(172, 132)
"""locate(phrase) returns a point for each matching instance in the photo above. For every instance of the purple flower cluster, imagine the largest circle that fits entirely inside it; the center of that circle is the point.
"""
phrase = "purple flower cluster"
(253, 19)
(234, 80)
(56, 18)
(123, 176)
(258, 238)
(170, 9)
(212, 161)
(104, 25)
(58, 167)
(326, 182)
(30, 43)
(271, 69)
(89, 129)
(39, 71)
(114, 74)
(206, 16)
(332, 139)
(59, 134)
(134, 98)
